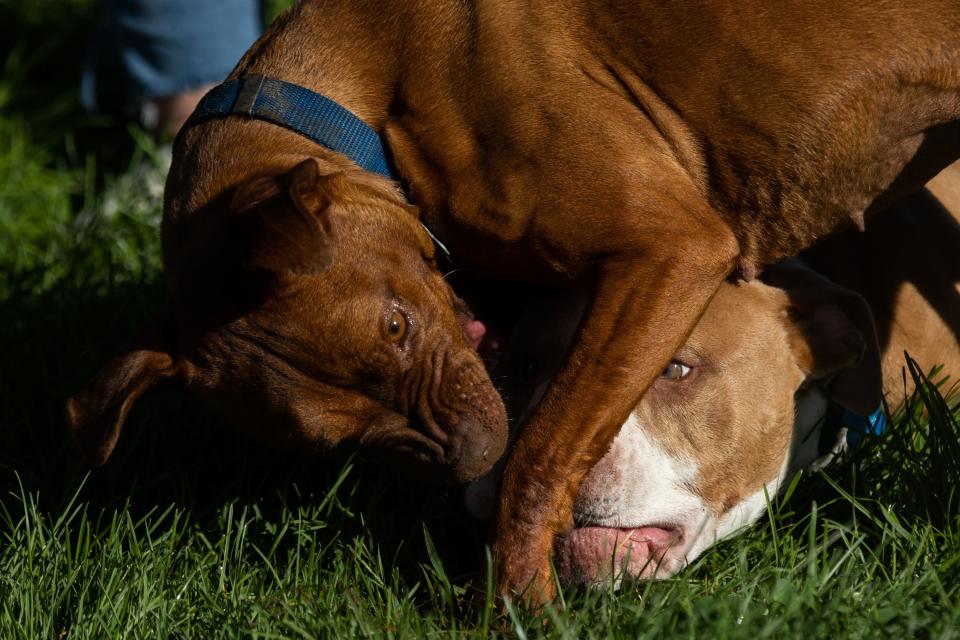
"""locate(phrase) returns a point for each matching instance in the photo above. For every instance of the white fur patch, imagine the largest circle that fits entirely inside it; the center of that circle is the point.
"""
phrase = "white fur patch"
(639, 484)
(749, 510)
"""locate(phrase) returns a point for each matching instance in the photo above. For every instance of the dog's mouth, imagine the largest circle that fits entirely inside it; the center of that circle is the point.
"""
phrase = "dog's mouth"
(595, 554)
(415, 455)
(431, 455)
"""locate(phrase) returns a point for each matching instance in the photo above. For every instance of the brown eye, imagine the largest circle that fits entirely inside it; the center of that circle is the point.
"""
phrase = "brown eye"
(675, 371)
(397, 327)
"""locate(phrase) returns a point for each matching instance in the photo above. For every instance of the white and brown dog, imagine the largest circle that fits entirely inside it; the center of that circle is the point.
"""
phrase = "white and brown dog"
(740, 408)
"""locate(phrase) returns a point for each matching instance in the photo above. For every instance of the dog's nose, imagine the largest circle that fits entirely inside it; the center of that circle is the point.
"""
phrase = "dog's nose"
(475, 448)
(474, 451)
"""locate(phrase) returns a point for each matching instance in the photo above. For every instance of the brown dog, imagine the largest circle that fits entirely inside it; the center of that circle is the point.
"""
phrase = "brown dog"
(299, 364)
(742, 405)
(642, 152)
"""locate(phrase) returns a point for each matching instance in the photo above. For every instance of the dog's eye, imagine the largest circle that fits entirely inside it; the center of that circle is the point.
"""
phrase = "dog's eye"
(397, 327)
(675, 371)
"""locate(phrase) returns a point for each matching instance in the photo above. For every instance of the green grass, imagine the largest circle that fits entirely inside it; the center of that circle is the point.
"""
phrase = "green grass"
(194, 531)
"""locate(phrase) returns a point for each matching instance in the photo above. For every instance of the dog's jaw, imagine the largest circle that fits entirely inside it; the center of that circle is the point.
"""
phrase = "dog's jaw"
(638, 485)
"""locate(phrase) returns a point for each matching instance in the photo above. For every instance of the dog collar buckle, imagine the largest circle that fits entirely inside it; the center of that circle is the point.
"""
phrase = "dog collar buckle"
(859, 427)
(247, 96)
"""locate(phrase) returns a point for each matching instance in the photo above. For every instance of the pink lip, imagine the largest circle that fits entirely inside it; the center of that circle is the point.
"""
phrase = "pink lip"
(589, 553)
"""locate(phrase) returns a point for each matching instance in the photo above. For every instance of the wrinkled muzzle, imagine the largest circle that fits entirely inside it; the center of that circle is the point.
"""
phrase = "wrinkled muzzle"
(460, 410)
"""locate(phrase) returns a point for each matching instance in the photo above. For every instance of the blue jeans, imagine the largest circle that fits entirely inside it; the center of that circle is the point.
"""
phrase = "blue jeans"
(153, 48)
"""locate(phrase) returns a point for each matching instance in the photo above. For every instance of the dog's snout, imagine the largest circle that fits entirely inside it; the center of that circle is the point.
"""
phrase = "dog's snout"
(471, 417)
(481, 434)
(475, 447)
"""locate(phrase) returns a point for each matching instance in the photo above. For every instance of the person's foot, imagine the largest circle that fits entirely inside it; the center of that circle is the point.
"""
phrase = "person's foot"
(163, 116)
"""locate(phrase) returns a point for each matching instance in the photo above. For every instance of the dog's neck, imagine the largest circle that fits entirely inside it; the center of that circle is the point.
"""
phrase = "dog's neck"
(354, 63)
(359, 64)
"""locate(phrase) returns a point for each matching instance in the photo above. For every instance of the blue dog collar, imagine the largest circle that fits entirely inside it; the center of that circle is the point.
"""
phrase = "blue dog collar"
(298, 109)
(859, 427)
(302, 111)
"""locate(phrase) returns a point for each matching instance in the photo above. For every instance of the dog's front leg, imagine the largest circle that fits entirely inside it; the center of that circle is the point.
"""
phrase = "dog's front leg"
(645, 303)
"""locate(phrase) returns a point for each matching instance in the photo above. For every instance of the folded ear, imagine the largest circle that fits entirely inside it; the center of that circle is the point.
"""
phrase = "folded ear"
(833, 337)
(96, 414)
(283, 222)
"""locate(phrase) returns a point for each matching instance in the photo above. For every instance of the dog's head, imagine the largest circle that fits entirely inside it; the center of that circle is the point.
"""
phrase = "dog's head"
(306, 307)
(732, 416)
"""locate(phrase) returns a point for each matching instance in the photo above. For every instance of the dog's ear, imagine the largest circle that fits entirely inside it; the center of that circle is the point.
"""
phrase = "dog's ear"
(283, 222)
(96, 414)
(833, 337)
